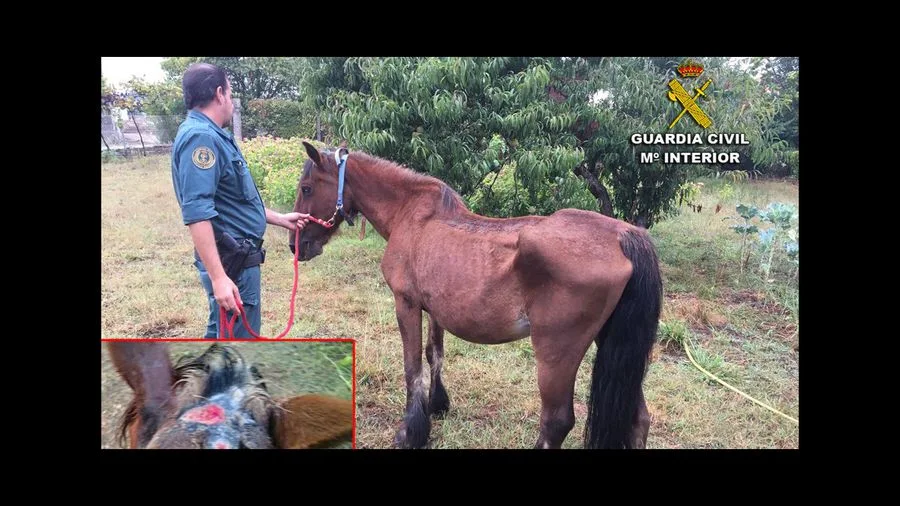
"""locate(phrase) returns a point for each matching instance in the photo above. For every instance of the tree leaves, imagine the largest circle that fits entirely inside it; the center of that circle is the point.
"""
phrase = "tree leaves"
(556, 117)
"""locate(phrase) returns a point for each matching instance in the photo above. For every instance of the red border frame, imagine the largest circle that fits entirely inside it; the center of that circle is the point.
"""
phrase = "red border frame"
(285, 339)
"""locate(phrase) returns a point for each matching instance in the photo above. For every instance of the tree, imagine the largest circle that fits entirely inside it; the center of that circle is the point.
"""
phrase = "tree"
(781, 78)
(440, 115)
(106, 92)
(130, 100)
(165, 102)
(262, 83)
(615, 98)
(250, 77)
(561, 126)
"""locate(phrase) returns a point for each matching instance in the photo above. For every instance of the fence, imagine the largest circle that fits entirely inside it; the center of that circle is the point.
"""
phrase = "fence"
(125, 132)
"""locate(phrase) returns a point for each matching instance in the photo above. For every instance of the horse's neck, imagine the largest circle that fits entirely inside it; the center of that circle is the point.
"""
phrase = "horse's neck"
(380, 195)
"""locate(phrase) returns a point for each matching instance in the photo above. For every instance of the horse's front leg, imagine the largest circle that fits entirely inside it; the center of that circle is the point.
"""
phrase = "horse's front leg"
(416, 425)
(439, 401)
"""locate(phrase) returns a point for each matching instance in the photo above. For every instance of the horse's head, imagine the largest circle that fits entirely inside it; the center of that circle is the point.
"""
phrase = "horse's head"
(216, 401)
(317, 194)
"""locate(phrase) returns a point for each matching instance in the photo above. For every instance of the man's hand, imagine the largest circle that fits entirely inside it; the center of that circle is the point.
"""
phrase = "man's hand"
(290, 221)
(293, 221)
(227, 294)
(225, 291)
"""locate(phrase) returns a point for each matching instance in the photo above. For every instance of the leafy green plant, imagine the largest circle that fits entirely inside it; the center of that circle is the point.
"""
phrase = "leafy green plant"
(792, 249)
(745, 229)
(781, 216)
(726, 192)
(689, 192)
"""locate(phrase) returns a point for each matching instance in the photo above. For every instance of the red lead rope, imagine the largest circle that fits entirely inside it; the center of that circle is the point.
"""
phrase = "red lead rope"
(227, 326)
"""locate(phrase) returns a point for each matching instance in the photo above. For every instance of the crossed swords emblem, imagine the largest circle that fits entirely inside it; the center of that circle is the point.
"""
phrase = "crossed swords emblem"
(690, 103)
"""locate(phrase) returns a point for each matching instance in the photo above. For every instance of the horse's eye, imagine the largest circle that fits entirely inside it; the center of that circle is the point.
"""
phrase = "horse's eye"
(307, 190)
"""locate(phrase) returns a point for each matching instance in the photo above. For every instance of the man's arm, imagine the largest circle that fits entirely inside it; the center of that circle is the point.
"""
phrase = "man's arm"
(198, 175)
(289, 221)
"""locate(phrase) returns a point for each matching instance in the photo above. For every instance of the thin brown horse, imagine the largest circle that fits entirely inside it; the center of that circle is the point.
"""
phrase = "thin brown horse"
(217, 401)
(567, 280)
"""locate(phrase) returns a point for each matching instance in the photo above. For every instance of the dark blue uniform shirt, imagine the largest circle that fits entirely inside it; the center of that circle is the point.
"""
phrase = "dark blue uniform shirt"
(212, 180)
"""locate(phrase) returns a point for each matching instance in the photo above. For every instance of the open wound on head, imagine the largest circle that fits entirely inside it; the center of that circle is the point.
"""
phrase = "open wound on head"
(210, 414)
(220, 418)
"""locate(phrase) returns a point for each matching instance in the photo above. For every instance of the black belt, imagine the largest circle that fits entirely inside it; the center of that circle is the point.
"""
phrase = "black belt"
(256, 243)
(238, 254)
(255, 258)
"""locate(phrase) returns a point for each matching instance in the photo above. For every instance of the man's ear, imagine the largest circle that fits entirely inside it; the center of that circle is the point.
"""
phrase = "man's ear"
(310, 420)
(221, 91)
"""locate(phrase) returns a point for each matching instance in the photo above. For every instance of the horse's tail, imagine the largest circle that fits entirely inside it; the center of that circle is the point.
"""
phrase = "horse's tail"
(623, 348)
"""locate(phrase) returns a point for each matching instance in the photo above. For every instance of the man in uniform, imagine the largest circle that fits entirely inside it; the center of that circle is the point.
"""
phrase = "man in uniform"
(219, 201)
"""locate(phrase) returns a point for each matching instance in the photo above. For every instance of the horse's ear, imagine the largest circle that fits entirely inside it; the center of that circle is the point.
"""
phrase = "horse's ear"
(310, 420)
(147, 369)
(343, 147)
(313, 154)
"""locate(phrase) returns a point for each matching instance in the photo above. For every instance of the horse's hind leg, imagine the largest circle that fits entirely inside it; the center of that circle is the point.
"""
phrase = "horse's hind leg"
(641, 426)
(558, 358)
(416, 424)
(439, 401)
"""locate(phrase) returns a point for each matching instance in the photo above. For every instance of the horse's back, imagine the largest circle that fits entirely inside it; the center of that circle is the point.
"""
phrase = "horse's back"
(575, 248)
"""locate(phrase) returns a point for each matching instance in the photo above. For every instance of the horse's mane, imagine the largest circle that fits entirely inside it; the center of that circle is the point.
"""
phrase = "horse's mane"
(215, 371)
(450, 203)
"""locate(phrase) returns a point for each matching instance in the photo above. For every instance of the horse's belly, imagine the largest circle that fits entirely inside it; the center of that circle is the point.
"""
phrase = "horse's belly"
(484, 330)
(472, 291)
(479, 313)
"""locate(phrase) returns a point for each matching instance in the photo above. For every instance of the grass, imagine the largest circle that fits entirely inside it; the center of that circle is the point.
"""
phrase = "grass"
(741, 326)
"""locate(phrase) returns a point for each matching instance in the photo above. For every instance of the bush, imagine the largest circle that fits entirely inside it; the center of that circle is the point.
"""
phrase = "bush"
(793, 161)
(277, 118)
(276, 166)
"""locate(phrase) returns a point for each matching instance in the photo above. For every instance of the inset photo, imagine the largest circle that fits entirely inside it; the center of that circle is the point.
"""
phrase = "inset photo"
(159, 394)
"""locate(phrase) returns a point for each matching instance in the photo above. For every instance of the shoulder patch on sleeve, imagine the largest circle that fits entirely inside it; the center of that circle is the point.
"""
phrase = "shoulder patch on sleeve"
(203, 157)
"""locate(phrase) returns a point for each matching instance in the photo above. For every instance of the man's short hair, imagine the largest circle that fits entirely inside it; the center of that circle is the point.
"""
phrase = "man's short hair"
(200, 82)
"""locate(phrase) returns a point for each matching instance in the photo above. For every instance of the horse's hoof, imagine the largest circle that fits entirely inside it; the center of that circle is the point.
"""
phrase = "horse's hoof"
(406, 441)
(402, 442)
(439, 404)
(440, 412)
(400, 439)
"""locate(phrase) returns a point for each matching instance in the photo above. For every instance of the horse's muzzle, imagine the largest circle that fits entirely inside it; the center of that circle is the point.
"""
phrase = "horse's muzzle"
(306, 250)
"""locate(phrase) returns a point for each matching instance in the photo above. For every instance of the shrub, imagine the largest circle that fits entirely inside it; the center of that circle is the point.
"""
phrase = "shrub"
(276, 166)
(277, 118)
